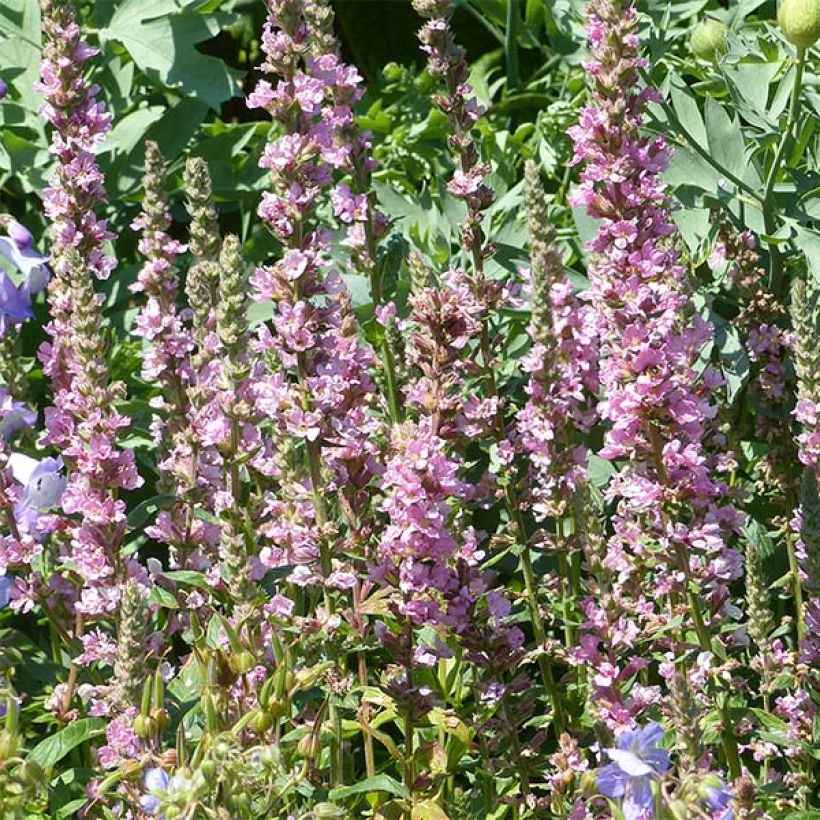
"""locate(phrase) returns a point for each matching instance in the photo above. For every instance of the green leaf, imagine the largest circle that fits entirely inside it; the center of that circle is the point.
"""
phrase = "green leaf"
(189, 577)
(145, 511)
(161, 37)
(379, 783)
(809, 242)
(55, 748)
(428, 810)
(726, 143)
(161, 596)
(688, 113)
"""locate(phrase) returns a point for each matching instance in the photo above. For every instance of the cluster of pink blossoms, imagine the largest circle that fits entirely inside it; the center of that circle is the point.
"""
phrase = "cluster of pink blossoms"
(320, 391)
(83, 423)
(672, 513)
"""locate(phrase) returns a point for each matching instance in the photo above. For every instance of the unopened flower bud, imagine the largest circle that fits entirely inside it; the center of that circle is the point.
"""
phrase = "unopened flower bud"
(145, 726)
(308, 746)
(261, 721)
(9, 745)
(708, 39)
(241, 662)
(161, 718)
(799, 20)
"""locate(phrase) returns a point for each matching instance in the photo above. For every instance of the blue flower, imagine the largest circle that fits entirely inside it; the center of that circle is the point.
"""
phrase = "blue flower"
(160, 788)
(15, 304)
(18, 249)
(156, 784)
(5, 591)
(718, 798)
(636, 762)
(14, 415)
(44, 485)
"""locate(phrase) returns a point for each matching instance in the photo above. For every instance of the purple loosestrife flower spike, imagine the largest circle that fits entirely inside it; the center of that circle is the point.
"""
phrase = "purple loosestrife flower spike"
(637, 762)
(80, 124)
(806, 521)
(562, 365)
(83, 421)
(658, 407)
(326, 405)
(159, 322)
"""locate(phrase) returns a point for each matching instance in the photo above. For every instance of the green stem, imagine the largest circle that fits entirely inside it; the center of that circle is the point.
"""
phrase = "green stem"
(769, 203)
(797, 587)
(538, 628)
(511, 44)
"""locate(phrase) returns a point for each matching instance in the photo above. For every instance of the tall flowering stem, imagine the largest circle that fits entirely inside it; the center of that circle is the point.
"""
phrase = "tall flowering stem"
(657, 405)
(805, 554)
(446, 62)
(83, 422)
(325, 405)
(80, 124)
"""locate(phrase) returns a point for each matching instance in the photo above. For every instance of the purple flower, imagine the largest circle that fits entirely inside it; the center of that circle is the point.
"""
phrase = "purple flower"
(44, 484)
(5, 592)
(15, 304)
(18, 249)
(4, 89)
(636, 762)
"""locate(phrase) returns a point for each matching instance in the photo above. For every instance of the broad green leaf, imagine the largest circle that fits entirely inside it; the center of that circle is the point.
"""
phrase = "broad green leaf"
(687, 112)
(725, 139)
(161, 37)
(55, 748)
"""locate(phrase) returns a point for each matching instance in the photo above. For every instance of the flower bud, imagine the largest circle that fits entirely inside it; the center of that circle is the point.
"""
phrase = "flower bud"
(145, 726)
(277, 709)
(30, 774)
(9, 745)
(261, 721)
(708, 39)
(308, 746)
(241, 662)
(161, 718)
(799, 20)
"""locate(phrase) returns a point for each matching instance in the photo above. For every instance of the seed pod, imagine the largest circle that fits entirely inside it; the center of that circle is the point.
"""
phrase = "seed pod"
(799, 20)
(708, 39)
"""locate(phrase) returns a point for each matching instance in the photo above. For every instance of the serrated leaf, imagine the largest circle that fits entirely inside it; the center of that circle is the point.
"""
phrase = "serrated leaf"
(55, 748)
